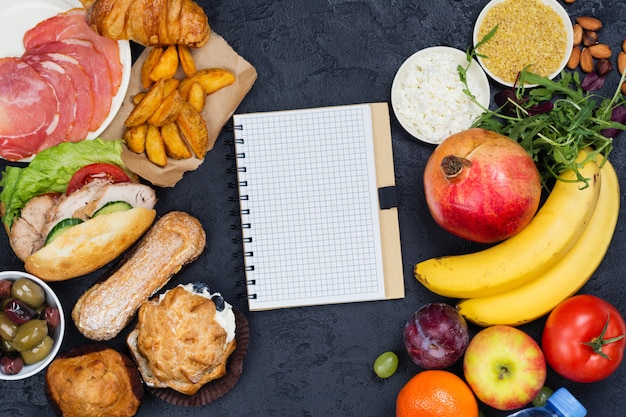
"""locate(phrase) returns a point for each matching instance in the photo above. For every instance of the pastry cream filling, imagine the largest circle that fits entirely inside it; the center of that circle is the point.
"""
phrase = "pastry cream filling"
(225, 318)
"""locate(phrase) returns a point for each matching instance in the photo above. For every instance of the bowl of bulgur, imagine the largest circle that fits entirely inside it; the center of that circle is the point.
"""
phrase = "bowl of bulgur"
(532, 34)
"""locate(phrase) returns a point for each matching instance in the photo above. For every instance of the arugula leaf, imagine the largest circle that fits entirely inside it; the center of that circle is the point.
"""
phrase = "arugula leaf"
(553, 121)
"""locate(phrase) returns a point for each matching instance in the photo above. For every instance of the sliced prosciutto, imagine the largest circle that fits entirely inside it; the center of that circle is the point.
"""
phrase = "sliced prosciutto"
(73, 25)
(94, 64)
(83, 95)
(65, 92)
(29, 109)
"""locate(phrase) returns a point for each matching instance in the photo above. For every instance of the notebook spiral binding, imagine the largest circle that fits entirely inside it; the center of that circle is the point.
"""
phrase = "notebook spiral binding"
(240, 213)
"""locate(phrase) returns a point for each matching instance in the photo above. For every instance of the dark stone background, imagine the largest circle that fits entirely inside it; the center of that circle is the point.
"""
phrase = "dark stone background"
(317, 361)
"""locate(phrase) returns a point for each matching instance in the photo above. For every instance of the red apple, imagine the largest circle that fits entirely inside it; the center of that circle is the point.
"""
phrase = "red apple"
(481, 186)
(505, 367)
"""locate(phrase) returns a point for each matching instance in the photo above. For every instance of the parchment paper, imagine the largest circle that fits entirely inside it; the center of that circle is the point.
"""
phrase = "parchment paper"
(219, 108)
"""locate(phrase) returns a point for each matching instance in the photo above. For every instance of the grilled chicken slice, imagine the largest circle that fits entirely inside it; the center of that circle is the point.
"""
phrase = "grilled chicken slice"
(27, 231)
(84, 202)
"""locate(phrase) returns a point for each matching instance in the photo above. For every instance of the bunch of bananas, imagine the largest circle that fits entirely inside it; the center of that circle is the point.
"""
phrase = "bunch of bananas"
(526, 276)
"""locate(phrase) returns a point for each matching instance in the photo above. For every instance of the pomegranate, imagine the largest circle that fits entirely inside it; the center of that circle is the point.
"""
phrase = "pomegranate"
(481, 186)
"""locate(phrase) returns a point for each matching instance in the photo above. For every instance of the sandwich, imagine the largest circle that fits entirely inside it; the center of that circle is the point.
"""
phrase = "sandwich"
(74, 208)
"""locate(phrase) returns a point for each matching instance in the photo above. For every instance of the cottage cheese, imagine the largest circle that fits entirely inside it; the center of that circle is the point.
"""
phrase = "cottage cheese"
(428, 96)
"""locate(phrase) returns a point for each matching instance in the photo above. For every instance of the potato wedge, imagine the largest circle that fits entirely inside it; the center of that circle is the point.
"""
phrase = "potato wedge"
(186, 60)
(194, 129)
(151, 60)
(135, 138)
(168, 110)
(155, 148)
(196, 96)
(211, 79)
(147, 106)
(166, 66)
(138, 97)
(170, 85)
(175, 145)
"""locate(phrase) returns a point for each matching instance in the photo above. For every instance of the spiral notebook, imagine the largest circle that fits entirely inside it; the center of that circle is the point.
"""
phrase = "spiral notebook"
(318, 207)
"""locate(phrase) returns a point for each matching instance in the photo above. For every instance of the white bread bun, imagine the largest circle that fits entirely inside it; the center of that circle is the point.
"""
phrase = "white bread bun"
(90, 245)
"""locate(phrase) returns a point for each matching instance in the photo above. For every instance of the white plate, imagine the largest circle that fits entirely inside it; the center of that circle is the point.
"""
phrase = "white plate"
(569, 41)
(437, 110)
(18, 16)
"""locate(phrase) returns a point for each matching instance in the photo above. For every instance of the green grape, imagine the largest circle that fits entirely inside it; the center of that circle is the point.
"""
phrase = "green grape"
(386, 364)
(542, 397)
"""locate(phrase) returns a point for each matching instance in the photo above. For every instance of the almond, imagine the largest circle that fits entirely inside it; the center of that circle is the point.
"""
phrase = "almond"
(574, 58)
(586, 60)
(578, 34)
(621, 62)
(589, 23)
(600, 51)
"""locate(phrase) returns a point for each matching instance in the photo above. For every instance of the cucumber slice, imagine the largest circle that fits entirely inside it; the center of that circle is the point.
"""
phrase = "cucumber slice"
(112, 207)
(61, 227)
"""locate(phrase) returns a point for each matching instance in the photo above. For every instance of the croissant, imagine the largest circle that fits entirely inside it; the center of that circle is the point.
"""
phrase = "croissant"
(149, 22)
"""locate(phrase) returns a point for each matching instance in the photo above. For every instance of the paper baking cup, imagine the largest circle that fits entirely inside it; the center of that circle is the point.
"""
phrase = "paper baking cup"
(217, 388)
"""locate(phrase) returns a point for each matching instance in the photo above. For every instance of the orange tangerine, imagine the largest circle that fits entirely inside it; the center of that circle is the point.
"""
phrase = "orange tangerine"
(436, 393)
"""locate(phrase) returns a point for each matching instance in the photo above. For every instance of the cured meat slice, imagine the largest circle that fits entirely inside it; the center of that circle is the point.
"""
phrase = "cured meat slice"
(73, 25)
(29, 109)
(95, 65)
(65, 92)
(81, 82)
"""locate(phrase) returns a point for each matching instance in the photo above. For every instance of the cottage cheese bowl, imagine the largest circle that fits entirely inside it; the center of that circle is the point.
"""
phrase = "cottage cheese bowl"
(427, 94)
(56, 335)
(537, 34)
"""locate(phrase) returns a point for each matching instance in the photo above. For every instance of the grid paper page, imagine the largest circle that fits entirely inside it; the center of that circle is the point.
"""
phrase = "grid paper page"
(310, 206)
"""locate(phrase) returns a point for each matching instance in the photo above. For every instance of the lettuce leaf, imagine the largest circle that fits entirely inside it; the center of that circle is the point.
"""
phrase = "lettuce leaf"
(50, 172)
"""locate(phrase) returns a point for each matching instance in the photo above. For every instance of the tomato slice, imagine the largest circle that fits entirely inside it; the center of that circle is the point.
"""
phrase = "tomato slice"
(88, 173)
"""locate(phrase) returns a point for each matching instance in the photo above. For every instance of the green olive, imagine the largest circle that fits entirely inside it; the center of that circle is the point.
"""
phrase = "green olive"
(28, 291)
(39, 352)
(30, 334)
(6, 346)
(4, 302)
(7, 328)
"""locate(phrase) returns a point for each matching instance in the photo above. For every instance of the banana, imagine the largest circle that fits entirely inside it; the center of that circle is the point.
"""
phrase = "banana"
(547, 238)
(538, 297)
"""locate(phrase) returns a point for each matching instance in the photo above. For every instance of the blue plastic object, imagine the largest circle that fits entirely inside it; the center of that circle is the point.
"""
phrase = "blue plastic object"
(560, 404)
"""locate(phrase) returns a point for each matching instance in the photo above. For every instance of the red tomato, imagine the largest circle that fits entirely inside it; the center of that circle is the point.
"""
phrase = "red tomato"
(583, 338)
(88, 173)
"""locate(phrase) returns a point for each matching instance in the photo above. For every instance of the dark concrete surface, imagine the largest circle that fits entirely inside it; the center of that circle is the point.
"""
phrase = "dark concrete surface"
(317, 361)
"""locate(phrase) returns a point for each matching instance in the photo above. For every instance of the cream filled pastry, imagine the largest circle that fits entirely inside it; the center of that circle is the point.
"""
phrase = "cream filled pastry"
(183, 338)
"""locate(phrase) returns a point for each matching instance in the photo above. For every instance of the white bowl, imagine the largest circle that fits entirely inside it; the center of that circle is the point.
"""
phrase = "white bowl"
(51, 300)
(569, 41)
(438, 107)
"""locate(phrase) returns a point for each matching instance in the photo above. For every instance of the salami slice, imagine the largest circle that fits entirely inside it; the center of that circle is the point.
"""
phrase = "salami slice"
(94, 64)
(29, 109)
(73, 25)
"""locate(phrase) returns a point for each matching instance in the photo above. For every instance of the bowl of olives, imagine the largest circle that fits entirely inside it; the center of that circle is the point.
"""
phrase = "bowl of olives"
(32, 325)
